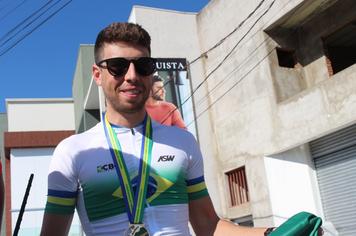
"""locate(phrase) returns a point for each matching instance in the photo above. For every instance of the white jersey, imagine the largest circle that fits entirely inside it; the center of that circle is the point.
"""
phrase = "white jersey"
(82, 175)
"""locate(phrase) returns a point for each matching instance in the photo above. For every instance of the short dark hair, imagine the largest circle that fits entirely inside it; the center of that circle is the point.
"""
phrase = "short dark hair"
(122, 31)
(157, 78)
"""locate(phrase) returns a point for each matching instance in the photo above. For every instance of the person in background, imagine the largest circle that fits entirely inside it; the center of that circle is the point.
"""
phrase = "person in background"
(158, 109)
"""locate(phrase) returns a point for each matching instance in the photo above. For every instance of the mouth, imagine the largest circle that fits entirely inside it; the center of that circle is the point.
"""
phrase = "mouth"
(132, 92)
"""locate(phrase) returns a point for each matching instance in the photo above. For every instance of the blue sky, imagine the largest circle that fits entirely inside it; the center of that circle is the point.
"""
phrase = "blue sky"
(42, 65)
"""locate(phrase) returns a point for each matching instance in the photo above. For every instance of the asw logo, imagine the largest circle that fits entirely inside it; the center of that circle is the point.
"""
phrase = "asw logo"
(166, 158)
(104, 168)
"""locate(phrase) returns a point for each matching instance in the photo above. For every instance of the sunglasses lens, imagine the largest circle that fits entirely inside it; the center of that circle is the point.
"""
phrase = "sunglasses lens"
(118, 66)
(145, 66)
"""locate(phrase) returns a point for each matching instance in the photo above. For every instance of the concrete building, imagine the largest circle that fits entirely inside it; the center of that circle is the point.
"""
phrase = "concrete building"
(275, 95)
(34, 128)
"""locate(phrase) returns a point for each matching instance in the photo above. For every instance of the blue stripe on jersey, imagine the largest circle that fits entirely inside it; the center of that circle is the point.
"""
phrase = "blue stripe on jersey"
(62, 194)
(195, 181)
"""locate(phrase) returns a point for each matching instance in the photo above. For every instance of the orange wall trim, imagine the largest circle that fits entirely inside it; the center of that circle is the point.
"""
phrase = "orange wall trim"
(33, 139)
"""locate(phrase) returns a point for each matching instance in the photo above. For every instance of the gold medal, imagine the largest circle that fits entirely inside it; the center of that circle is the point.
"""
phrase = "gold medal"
(136, 230)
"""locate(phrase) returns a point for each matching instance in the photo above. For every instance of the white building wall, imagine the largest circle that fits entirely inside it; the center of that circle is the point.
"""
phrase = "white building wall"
(291, 178)
(35, 115)
(248, 121)
(175, 34)
(241, 119)
(40, 114)
(24, 162)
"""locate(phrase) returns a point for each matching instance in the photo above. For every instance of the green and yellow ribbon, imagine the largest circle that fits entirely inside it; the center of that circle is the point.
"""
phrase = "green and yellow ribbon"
(134, 202)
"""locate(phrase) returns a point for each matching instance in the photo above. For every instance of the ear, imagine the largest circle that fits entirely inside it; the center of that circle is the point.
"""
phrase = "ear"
(96, 74)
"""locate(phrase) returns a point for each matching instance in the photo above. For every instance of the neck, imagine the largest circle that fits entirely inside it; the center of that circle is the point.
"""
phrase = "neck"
(128, 120)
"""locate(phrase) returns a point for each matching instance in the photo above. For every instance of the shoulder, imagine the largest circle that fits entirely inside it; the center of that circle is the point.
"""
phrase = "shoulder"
(168, 104)
(81, 141)
(172, 134)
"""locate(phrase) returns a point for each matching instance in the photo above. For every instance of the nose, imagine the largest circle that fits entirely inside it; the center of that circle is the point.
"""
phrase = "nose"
(131, 74)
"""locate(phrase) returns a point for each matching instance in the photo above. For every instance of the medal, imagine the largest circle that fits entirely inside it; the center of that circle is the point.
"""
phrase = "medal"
(134, 200)
(136, 230)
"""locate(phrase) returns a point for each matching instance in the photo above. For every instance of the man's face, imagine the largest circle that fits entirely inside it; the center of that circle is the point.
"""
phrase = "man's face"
(127, 93)
(158, 91)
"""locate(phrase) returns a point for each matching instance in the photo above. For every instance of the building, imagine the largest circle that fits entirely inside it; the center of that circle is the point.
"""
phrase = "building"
(274, 94)
(34, 128)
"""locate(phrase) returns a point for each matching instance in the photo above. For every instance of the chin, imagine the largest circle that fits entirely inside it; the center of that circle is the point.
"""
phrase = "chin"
(131, 109)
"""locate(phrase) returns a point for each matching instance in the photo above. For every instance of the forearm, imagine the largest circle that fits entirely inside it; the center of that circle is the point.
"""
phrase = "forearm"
(225, 228)
(56, 225)
(205, 228)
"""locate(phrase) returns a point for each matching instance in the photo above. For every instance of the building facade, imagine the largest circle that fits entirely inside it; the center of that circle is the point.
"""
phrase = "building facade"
(34, 128)
(273, 86)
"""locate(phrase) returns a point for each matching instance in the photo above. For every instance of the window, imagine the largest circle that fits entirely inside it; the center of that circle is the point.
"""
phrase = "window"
(244, 221)
(286, 57)
(340, 48)
(238, 186)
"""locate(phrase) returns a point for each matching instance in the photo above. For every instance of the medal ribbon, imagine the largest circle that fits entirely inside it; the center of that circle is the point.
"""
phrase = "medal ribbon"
(134, 202)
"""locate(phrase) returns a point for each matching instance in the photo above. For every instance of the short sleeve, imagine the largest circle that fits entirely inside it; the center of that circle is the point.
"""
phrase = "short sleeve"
(195, 176)
(177, 119)
(62, 182)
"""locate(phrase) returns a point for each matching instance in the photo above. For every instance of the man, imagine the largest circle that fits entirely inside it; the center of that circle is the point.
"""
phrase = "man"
(158, 109)
(158, 92)
(129, 175)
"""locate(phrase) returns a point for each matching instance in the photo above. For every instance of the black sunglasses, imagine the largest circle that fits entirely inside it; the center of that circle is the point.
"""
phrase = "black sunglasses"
(119, 66)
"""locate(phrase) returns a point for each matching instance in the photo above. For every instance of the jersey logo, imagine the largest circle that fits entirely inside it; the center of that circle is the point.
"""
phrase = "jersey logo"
(166, 158)
(105, 168)
(156, 186)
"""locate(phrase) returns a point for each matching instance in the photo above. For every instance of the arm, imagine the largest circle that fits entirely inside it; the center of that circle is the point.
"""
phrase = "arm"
(56, 225)
(177, 119)
(61, 195)
(225, 227)
(204, 221)
(202, 216)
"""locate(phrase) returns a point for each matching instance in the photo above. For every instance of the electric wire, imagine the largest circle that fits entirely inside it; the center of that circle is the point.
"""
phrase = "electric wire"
(197, 103)
(233, 86)
(224, 59)
(35, 28)
(228, 35)
(25, 20)
(12, 10)
(243, 77)
(29, 23)
(229, 75)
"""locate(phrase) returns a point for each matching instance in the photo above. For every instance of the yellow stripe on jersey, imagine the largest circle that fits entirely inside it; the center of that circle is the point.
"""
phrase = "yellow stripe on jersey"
(196, 187)
(61, 201)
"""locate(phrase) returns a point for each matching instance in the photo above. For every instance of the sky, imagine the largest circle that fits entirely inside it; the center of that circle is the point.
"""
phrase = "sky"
(42, 64)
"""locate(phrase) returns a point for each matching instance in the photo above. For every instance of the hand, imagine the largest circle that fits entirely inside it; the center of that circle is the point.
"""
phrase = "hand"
(320, 232)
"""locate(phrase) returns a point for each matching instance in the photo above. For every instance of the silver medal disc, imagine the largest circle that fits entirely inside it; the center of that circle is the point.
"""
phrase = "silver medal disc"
(136, 230)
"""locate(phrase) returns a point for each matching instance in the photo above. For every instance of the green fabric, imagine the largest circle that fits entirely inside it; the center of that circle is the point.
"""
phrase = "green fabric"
(301, 224)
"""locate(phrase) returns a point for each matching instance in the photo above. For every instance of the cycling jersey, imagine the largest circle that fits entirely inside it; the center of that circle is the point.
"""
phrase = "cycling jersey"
(82, 175)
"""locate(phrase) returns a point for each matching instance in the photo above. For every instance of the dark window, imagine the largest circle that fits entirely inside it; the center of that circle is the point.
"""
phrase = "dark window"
(244, 221)
(286, 57)
(341, 48)
(238, 186)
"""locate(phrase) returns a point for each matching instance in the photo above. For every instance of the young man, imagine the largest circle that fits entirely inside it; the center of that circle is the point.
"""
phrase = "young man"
(129, 175)
(159, 110)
